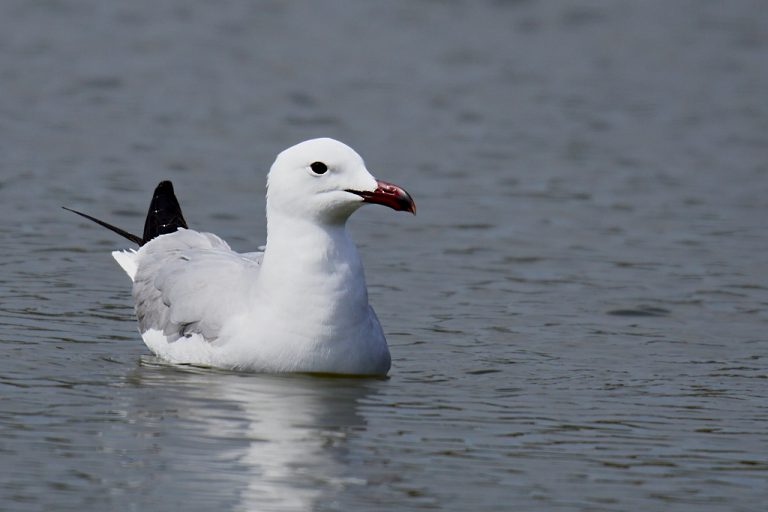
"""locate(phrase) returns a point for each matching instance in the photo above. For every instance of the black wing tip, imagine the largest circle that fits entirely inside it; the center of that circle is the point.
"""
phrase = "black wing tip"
(133, 238)
(164, 186)
(164, 215)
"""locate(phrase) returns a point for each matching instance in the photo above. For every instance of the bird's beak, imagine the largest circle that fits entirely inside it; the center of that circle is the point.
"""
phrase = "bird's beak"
(390, 195)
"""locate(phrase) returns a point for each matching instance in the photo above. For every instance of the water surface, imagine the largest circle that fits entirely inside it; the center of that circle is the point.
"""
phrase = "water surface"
(577, 316)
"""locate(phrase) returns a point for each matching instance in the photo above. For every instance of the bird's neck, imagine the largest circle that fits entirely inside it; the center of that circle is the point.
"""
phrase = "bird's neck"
(313, 243)
(316, 262)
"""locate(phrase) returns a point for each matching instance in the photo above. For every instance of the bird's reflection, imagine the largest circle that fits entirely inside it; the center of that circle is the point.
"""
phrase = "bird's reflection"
(265, 442)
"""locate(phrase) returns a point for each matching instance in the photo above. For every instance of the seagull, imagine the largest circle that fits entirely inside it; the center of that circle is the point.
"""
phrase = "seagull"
(298, 305)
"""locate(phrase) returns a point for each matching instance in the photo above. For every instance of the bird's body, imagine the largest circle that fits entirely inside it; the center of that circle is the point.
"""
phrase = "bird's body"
(301, 305)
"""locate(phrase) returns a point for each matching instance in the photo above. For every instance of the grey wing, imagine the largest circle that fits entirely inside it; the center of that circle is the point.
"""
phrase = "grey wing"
(189, 283)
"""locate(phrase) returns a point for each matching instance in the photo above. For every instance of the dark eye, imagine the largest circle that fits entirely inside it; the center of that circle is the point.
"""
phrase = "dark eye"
(319, 168)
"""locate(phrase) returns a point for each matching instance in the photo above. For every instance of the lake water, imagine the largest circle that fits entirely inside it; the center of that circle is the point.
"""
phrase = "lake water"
(578, 315)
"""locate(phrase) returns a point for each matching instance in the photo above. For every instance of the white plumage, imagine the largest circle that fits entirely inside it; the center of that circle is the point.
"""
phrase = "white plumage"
(301, 305)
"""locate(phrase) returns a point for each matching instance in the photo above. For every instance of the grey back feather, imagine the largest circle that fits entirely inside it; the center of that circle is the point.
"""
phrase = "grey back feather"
(187, 281)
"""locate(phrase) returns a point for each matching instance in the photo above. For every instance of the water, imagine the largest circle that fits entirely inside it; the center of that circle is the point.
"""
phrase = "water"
(577, 316)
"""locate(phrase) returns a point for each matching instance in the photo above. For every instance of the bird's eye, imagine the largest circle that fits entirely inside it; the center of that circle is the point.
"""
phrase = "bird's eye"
(319, 168)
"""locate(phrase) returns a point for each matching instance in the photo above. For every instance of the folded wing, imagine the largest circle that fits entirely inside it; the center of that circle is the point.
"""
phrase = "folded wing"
(187, 282)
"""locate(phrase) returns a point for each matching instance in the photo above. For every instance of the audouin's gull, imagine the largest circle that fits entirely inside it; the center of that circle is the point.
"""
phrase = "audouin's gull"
(301, 305)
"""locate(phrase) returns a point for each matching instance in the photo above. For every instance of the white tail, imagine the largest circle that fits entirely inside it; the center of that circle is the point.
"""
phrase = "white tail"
(127, 260)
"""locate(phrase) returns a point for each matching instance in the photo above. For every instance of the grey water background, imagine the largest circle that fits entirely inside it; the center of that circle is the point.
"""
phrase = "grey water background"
(577, 316)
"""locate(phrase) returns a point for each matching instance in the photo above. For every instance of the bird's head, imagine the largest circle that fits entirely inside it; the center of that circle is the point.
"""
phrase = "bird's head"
(327, 180)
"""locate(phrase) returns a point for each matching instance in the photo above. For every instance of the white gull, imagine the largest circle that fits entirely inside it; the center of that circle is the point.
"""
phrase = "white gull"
(301, 305)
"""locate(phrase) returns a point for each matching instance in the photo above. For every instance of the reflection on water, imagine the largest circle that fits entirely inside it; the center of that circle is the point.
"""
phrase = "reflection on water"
(577, 316)
(280, 443)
